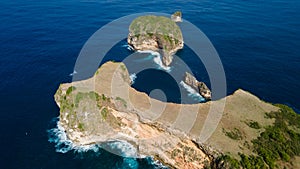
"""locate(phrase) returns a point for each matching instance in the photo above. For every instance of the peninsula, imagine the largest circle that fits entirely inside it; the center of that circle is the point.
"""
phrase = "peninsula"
(250, 133)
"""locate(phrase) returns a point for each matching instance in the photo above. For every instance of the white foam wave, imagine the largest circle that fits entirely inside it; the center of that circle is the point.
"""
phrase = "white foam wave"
(150, 57)
(192, 92)
(59, 137)
(132, 77)
(154, 53)
(130, 48)
(123, 148)
(130, 163)
(73, 73)
(157, 164)
(63, 145)
(156, 59)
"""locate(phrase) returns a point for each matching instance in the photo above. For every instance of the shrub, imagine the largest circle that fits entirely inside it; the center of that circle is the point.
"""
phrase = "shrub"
(81, 126)
(254, 124)
(235, 134)
(104, 113)
(277, 142)
(122, 100)
(70, 89)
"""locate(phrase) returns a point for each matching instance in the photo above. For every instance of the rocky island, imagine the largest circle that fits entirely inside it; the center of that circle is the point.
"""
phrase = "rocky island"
(250, 134)
(156, 33)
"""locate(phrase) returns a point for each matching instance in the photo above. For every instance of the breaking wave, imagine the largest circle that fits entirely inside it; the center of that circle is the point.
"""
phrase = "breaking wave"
(129, 163)
(59, 137)
(157, 59)
(130, 48)
(192, 93)
(129, 153)
(63, 144)
(122, 148)
(149, 57)
(157, 164)
(73, 73)
(132, 78)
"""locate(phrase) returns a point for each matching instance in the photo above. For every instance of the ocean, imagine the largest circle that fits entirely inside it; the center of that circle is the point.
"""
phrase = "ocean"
(258, 43)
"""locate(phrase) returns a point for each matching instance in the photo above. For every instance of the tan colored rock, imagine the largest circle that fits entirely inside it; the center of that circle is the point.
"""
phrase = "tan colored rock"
(106, 108)
(198, 86)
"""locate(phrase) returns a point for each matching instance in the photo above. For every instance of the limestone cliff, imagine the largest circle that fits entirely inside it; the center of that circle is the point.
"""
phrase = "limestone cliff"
(99, 110)
(106, 108)
(157, 33)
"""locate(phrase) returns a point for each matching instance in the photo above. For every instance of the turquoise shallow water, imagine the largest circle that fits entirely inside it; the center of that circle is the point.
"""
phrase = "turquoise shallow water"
(258, 43)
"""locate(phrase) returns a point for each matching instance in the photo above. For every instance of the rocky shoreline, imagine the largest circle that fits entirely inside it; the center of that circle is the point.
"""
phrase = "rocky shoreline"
(106, 108)
(156, 33)
(171, 146)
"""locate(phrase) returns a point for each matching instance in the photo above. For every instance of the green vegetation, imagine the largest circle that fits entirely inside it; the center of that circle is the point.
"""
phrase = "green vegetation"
(104, 113)
(69, 104)
(246, 162)
(167, 32)
(123, 67)
(150, 34)
(104, 97)
(178, 13)
(175, 152)
(122, 100)
(235, 134)
(97, 72)
(225, 161)
(70, 89)
(253, 124)
(279, 142)
(80, 96)
(65, 104)
(81, 126)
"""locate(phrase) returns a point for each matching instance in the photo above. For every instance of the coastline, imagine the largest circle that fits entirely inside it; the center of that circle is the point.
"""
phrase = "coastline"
(131, 118)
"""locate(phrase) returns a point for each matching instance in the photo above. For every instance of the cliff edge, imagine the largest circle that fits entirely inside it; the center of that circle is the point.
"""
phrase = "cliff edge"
(106, 108)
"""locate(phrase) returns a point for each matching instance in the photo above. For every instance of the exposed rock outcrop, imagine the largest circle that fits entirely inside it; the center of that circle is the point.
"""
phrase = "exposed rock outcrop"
(177, 16)
(198, 86)
(157, 33)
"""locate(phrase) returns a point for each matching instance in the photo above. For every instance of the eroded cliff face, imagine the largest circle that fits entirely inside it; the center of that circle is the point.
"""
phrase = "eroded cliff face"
(156, 33)
(106, 108)
(93, 112)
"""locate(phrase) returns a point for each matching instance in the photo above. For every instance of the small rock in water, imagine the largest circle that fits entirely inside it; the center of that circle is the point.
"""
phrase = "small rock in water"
(198, 86)
(177, 16)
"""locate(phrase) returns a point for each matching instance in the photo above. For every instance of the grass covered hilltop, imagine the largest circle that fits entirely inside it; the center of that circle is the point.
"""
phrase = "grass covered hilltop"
(251, 133)
(157, 33)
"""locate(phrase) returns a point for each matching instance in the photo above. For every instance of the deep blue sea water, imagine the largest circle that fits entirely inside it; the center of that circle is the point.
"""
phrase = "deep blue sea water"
(258, 43)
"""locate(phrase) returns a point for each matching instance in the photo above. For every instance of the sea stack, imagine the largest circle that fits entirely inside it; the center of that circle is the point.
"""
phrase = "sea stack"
(198, 86)
(156, 33)
(177, 16)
